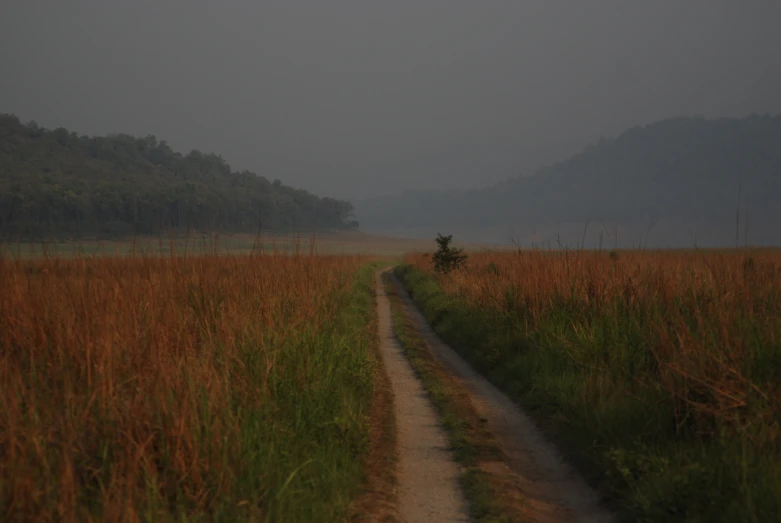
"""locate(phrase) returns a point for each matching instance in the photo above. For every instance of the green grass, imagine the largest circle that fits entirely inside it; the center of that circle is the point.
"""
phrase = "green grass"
(309, 451)
(476, 487)
(587, 378)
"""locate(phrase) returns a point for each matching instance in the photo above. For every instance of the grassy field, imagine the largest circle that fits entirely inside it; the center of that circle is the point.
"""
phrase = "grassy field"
(331, 243)
(199, 388)
(657, 373)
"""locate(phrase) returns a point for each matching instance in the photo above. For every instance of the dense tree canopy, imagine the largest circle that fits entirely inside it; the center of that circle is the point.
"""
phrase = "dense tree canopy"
(55, 182)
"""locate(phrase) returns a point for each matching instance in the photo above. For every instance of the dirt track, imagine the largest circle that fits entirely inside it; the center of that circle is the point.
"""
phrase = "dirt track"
(427, 476)
(552, 490)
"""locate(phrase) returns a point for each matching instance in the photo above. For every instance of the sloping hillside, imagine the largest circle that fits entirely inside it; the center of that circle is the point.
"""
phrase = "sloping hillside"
(57, 182)
(676, 182)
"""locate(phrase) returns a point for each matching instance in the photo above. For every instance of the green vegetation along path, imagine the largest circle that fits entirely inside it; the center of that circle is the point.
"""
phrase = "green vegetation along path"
(553, 492)
(427, 475)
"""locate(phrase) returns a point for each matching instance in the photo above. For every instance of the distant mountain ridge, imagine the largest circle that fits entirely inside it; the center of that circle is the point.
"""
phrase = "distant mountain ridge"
(677, 182)
(55, 182)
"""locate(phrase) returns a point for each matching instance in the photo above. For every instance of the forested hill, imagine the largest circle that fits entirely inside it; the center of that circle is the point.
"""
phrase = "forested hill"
(55, 182)
(675, 182)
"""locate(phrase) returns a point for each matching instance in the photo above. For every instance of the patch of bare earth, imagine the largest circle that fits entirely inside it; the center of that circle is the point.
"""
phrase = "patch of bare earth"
(529, 479)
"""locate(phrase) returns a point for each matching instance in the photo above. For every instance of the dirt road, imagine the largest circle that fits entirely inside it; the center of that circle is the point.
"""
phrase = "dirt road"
(428, 488)
(552, 489)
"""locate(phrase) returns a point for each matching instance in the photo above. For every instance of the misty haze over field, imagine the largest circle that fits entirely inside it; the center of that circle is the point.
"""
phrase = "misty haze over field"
(362, 99)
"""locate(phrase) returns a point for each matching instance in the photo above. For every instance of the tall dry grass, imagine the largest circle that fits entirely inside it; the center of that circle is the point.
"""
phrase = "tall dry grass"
(673, 350)
(209, 387)
(712, 321)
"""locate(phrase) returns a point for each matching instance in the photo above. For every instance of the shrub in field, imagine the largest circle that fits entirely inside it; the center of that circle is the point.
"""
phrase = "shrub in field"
(447, 258)
(186, 388)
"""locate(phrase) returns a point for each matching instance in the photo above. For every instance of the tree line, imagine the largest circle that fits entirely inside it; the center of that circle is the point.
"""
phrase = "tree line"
(57, 182)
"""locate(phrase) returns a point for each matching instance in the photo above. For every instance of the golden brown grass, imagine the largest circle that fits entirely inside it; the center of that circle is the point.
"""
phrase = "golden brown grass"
(210, 387)
(668, 363)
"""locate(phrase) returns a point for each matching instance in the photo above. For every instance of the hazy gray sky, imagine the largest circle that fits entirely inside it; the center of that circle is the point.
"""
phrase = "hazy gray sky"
(360, 98)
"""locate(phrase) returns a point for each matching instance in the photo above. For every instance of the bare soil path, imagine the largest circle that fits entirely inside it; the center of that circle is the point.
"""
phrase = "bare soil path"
(427, 476)
(554, 492)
